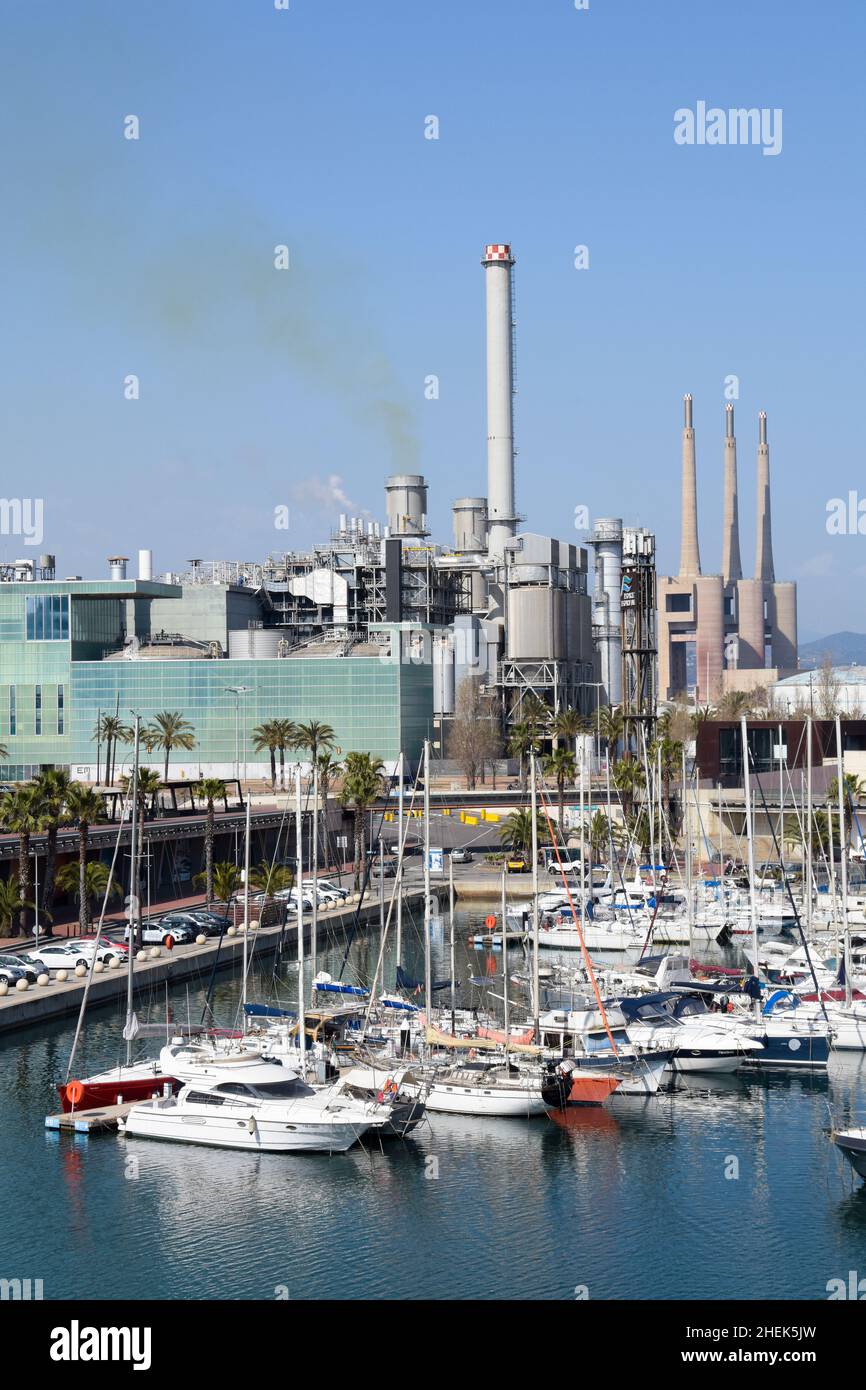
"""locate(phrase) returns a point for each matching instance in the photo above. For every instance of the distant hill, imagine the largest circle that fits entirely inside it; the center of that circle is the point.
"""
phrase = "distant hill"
(844, 649)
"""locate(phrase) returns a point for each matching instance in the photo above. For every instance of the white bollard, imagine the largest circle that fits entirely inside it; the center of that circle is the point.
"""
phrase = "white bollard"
(42, 979)
(141, 954)
(62, 976)
(80, 970)
(112, 962)
(98, 967)
(21, 985)
(4, 988)
(155, 952)
(200, 939)
(231, 931)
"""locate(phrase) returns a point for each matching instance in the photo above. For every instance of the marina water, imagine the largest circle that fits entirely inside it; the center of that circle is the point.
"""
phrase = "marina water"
(728, 1188)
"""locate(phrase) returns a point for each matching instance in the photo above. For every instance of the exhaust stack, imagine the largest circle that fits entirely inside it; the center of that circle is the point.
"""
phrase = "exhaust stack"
(764, 548)
(502, 522)
(690, 555)
(731, 564)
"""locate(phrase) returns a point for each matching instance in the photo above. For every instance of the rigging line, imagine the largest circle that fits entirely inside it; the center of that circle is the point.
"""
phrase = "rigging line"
(576, 920)
(108, 886)
(749, 756)
(353, 926)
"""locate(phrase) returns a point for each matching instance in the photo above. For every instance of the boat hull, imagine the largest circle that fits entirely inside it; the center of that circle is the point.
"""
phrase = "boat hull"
(153, 1122)
(113, 1090)
(518, 1103)
(853, 1145)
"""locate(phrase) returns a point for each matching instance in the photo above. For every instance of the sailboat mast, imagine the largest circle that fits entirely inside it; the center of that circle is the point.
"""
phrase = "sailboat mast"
(533, 787)
(135, 906)
(246, 908)
(314, 923)
(747, 787)
(302, 1004)
(400, 834)
(690, 911)
(428, 973)
(505, 967)
(808, 846)
(451, 939)
(843, 856)
(583, 888)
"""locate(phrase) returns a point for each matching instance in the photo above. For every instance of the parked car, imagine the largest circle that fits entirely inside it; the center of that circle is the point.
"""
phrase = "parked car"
(462, 856)
(330, 887)
(325, 886)
(386, 868)
(55, 956)
(155, 933)
(212, 919)
(13, 969)
(568, 866)
(192, 922)
(516, 864)
(105, 943)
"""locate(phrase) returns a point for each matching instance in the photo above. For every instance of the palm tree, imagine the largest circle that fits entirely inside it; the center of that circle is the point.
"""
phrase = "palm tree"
(111, 730)
(85, 808)
(853, 790)
(328, 766)
(266, 735)
(226, 881)
(646, 832)
(568, 725)
(11, 903)
(97, 879)
(561, 765)
(286, 732)
(671, 754)
(516, 831)
(628, 778)
(362, 784)
(601, 833)
(734, 704)
(20, 813)
(524, 738)
(610, 726)
(169, 730)
(53, 785)
(314, 737)
(271, 878)
(210, 789)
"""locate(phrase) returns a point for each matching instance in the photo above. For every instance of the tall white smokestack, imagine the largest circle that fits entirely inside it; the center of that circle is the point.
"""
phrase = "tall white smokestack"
(497, 262)
(145, 564)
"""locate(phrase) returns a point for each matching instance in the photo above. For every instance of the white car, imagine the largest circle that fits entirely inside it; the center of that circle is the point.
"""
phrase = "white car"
(324, 892)
(65, 957)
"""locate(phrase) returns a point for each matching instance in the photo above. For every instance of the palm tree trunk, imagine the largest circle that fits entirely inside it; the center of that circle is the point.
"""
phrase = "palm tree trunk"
(358, 842)
(273, 753)
(282, 768)
(560, 786)
(50, 872)
(83, 899)
(208, 852)
(165, 773)
(23, 878)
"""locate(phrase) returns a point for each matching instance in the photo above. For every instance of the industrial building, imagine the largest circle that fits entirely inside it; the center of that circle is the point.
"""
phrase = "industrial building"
(721, 632)
(371, 630)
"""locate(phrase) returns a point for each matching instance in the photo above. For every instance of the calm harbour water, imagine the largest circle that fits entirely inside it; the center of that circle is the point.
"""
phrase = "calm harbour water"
(628, 1201)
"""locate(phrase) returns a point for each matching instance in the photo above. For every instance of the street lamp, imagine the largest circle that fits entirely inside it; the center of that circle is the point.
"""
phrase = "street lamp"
(238, 691)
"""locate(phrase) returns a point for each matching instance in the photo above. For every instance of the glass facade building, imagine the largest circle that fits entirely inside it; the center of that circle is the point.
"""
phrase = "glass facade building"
(61, 668)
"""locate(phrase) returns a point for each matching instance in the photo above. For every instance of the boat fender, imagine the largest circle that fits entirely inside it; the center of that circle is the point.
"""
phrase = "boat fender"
(251, 1124)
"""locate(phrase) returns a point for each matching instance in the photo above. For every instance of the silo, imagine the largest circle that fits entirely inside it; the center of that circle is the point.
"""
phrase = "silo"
(750, 628)
(470, 524)
(117, 566)
(537, 623)
(145, 564)
(406, 501)
(255, 642)
(785, 626)
(607, 543)
(443, 675)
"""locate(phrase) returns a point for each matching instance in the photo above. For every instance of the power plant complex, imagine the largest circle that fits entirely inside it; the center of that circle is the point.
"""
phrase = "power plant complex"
(376, 628)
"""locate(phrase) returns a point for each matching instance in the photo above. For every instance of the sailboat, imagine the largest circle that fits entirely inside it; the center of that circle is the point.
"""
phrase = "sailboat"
(128, 1080)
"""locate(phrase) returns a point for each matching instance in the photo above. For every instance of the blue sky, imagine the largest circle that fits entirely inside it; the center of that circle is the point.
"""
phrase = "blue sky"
(258, 387)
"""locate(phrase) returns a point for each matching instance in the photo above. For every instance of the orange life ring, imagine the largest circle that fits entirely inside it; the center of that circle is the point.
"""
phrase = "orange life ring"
(74, 1092)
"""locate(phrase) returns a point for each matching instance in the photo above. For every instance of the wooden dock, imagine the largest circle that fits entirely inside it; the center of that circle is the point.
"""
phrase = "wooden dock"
(90, 1121)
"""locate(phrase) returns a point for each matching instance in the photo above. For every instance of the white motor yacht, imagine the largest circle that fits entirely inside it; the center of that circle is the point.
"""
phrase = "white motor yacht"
(249, 1103)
